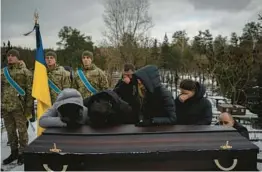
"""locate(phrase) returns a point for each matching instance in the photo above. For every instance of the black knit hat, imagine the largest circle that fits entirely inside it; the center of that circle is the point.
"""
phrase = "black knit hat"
(14, 52)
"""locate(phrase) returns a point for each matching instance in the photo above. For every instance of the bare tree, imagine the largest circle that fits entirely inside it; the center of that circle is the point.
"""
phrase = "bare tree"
(127, 23)
(126, 17)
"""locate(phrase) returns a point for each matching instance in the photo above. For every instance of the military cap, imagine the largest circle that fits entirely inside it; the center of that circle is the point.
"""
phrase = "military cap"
(14, 52)
(88, 53)
(51, 53)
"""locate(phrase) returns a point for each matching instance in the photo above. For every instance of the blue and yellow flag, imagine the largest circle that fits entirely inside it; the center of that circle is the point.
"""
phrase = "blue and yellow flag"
(40, 89)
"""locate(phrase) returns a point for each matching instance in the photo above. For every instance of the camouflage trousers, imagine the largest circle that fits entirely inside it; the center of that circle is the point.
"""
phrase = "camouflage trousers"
(16, 121)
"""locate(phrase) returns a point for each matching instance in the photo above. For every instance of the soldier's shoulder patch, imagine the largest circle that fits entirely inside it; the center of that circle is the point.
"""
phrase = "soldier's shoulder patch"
(60, 68)
(27, 71)
(98, 69)
(67, 73)
(101, 72)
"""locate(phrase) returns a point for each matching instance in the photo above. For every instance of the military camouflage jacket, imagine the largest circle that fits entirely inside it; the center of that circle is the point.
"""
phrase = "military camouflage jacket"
(95, 76)
(61, 78)
(10, 101)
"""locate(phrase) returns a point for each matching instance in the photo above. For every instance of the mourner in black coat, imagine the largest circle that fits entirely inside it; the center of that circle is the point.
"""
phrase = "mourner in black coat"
(226, 119)
(106, 108)
(152, 104)
(127, 75)
(192, 108)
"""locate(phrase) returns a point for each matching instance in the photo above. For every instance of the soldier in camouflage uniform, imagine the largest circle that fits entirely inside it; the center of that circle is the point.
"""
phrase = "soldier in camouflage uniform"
(28, 116)
(16, 106)
(95, 76)
(56, 74)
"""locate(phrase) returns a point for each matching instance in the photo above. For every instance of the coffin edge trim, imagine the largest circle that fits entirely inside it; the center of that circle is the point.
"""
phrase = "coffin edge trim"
(224, 168)
(49, 170)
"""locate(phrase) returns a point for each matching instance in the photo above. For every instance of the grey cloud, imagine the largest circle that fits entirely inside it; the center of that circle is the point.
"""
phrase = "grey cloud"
(224, 5)
(50, 10)
(235, 22)
(169, 9)
(217, 16)
(17, 16)
(220, 16)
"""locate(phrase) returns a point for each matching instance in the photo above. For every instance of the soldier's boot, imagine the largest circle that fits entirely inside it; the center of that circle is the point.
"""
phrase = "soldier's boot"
(20, 160)
(11, 158)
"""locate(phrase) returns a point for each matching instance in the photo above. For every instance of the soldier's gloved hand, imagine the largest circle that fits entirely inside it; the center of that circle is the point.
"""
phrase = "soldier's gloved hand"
(28, 110)
(28, 113)
(28, 116)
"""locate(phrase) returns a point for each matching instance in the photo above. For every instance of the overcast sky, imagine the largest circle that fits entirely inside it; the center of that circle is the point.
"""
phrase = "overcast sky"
(220, 16)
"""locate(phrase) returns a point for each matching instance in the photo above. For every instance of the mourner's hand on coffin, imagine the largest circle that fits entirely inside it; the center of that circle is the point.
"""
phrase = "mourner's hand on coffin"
(65, 119)
(73, 125)
(70, 123)
(144, 123)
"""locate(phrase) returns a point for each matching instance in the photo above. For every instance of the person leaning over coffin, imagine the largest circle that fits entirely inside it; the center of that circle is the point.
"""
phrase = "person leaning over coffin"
(67, 111)
(151, 103)
(226, 119)
(106, 108)
(192, 108)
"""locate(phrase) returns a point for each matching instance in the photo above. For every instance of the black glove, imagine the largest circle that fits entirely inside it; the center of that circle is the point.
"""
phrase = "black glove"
(144, 123)
(64, 119)
(70, 123)
(73, 125)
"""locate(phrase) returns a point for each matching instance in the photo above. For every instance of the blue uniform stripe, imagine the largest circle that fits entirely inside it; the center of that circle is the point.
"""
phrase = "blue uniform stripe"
(13, 83)
(86, 82)
(53, 86)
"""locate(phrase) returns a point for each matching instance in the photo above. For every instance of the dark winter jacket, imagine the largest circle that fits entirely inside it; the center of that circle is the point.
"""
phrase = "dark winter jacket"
(158, 105)
(195, 111)
(127, 92)
(240, 129)
(119, 111)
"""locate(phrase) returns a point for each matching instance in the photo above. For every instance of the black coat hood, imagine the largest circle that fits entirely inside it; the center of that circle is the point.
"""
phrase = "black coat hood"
(117, 102)
(201, 90)
(150, 77)
(197, 110)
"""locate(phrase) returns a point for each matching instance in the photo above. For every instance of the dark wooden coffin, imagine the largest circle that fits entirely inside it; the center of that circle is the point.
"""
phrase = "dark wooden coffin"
(130, 148)
(232, 109)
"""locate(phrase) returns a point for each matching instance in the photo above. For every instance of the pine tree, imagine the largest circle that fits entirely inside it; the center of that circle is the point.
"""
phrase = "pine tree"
(165, 52)
(155, 53)
(234, 39)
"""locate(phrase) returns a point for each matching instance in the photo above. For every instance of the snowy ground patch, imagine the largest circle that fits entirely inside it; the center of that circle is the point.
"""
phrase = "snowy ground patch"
(5, 150)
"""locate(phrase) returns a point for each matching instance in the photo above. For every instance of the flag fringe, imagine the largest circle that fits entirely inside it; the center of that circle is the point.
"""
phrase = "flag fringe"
(26, 34)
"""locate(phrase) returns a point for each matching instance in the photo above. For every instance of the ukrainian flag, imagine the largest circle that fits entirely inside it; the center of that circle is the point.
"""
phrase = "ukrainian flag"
(40, 90)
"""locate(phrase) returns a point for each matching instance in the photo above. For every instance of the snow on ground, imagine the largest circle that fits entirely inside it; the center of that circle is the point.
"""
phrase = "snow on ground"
(5, 150)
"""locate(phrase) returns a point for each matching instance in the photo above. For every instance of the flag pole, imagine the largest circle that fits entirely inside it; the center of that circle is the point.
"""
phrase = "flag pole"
(40, 79)
(36, 17)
